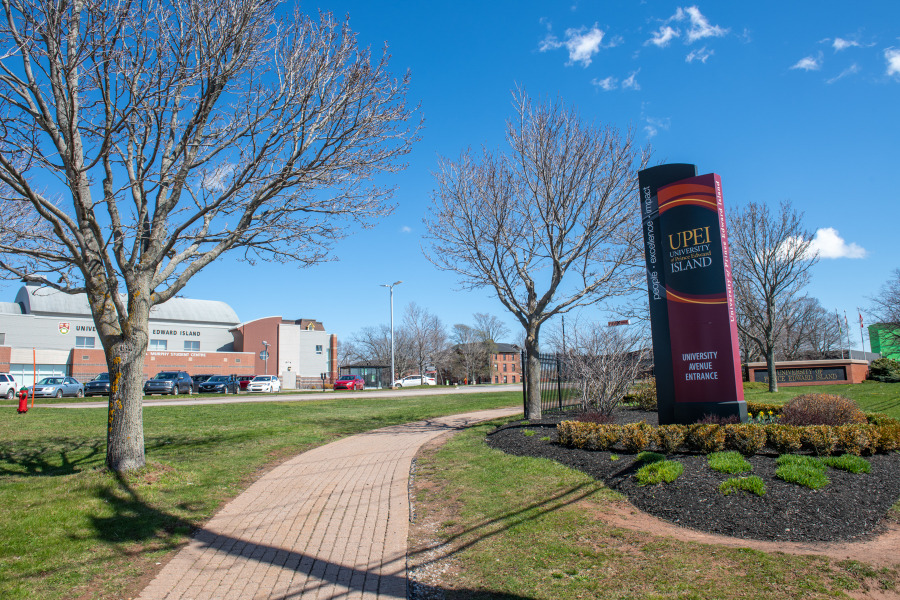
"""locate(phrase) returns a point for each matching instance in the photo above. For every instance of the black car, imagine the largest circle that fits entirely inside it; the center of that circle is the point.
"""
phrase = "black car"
(198, 379)
(220, 384)
(98, 386)
(169, 382)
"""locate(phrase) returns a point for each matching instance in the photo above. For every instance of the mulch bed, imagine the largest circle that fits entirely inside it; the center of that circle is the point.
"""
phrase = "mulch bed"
(851, 506)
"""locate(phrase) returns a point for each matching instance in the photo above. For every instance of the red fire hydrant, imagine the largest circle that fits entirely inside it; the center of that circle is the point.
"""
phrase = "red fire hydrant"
(23, 401)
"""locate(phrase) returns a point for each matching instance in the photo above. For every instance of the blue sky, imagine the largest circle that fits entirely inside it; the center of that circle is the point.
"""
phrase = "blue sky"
(796, 101)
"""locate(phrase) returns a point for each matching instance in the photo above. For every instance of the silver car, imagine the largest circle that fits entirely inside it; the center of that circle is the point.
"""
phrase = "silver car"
(57, 387)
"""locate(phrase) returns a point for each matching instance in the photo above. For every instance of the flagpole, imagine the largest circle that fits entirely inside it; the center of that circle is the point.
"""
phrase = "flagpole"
(862, 341)
(849, 349)
(840, 332)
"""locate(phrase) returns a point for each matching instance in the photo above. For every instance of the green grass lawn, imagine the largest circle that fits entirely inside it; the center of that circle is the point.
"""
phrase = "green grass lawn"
(872, 396)
(518, 528)
(69, 528)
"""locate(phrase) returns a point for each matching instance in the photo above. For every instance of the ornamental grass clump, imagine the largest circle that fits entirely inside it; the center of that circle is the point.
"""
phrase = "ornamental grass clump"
(821, 409)
(746, 439)
(728, 462)
(663, 471)
(807, 471)
(848, 462)
(751, 484)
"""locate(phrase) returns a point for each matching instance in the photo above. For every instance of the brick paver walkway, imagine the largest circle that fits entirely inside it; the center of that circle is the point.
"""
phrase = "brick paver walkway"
(329, 523)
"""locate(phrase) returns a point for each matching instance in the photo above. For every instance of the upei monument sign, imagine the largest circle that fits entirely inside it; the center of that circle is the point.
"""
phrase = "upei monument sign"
(692, 312)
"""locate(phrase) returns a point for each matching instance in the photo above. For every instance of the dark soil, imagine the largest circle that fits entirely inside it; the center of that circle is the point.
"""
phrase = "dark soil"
(851, 506)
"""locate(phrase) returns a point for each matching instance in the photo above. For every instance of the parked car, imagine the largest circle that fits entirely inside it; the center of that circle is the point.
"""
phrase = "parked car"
(219, 384)
(98, 386)
(411, 380)
(264, 383)
(349, 382)
(169, 382)
(7, 386)
(244, 380)
(198, 379)
(57, 387)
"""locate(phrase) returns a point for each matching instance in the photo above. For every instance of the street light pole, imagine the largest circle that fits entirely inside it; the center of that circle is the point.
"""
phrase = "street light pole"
(391, 287)
(266, 352)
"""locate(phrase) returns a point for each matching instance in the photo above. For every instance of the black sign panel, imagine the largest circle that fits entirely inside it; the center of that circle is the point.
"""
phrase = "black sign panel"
(804, 375)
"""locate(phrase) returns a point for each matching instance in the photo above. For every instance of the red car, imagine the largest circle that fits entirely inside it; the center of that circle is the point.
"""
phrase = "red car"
(349, 382)
(244, 381)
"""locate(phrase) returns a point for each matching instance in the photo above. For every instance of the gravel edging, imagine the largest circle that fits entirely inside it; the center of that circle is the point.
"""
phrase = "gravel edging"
(850, 507)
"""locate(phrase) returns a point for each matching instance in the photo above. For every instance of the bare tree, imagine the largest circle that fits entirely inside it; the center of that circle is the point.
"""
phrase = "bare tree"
(469, 350)
(373, 344)
(885, 309)
(604, 361)
(490, 330)
(771, 258)
(427, 337)
(809, 331)
(145, 139)
(549, 225)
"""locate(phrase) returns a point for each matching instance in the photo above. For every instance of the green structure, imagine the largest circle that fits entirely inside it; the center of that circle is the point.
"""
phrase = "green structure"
(885, 340)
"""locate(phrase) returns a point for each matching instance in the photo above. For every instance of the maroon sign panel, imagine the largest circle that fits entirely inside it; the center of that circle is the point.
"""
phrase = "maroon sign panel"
(694, 269)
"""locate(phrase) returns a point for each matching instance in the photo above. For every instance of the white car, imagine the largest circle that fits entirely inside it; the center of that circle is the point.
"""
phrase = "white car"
(411, 380)
(264, 383)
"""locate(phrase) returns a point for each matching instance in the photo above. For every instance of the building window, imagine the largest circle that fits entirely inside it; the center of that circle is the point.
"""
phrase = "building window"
(504, 379)
(192, 345)
(82, 341)
(318, 348)
(504, 367)
(237, 361)
(496, 379)
(2, 339)
(158, 345)
(514, 378)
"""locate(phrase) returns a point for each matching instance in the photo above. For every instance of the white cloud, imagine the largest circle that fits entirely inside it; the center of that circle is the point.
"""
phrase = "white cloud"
(851, 70)
(662, 37)
(582, 44)
(841, 44)
(631, 83)
(700, 27)
(406, 229)
(892, 56)
(607, 84)
(653, 125)
(809, 63)
(702, 54)
(829, 244)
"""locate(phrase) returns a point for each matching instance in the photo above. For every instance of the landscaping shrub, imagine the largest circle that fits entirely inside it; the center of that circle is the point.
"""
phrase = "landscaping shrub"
(603, 437)
(821, 409)
(705, 438)
(746, 439)
(885, 370)
(645, 395)
(887, 437)
(881, 419)
(728, 462)
(719, 420)
(663, 471)
(802, 470)
(784, 438)
(821, 439)
(669, 438)
(752, 484)
(856, 439)
(849, 463)
(635, 436)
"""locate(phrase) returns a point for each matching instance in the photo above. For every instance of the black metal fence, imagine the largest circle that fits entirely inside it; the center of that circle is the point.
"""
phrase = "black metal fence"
(559, 390)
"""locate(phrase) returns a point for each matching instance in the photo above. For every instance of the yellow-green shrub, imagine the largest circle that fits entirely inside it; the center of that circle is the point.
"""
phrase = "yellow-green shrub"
(746, 439)
(636, 436)
(887, 437)
(783, 438)
(856, 439)
(604, 436)
(821, 439)
(669, 438)
(705, 438)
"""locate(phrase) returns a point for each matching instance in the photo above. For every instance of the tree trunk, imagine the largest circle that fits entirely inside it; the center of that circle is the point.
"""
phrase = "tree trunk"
(533, 403)
(770, 366)
(125, 354)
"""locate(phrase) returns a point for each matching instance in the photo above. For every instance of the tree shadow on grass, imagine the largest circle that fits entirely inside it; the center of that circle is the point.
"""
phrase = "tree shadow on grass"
(134, 521)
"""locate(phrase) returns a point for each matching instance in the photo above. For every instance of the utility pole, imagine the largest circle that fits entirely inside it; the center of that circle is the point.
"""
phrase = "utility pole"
(391, 287)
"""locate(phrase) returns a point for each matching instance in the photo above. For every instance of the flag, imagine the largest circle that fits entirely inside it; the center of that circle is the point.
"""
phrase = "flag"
(840, 327)
(860, 318)
(846, 322)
